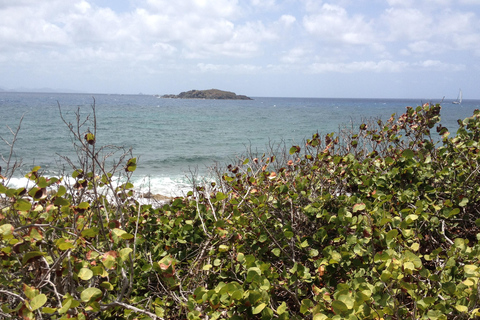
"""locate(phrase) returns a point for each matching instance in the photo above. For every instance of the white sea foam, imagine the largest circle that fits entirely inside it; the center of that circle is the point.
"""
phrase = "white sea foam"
(165, 186)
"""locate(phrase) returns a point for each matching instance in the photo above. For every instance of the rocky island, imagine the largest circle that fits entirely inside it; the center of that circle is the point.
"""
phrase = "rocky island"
(207, 94)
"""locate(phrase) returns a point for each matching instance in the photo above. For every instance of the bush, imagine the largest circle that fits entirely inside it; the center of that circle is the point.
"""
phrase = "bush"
(379, 222)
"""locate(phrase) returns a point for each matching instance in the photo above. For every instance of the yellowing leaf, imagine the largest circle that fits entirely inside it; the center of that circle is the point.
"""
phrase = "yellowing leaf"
(38, 302)
(85, 274)
(259, 308)
(461, 308)
(282, 308)
(207, 267)
(90, 294)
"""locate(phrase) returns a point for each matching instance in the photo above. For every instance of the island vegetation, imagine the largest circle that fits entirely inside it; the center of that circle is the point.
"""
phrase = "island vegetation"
(207, 94)
(378, 221)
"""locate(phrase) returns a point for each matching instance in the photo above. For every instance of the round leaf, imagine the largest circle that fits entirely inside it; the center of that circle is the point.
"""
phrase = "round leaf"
(90, 294)
(85, 274)
(38, 301)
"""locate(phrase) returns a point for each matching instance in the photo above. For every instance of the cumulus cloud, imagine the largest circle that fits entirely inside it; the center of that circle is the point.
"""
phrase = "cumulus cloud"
(333, 24)
(243, 37)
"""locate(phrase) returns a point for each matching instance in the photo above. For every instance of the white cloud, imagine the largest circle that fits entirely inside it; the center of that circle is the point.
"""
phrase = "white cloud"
(334, 24)
(401, 3)
(287, 20)
(296, 55)
(228, 69)
(385, 66)
(263, 3)
(359, 66)
(239, 37)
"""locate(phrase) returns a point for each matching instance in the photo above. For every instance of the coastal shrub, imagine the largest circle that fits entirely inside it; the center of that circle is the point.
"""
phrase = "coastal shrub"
(375, 222)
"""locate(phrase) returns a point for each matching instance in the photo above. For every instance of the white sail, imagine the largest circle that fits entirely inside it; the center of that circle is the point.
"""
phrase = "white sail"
(459, 98)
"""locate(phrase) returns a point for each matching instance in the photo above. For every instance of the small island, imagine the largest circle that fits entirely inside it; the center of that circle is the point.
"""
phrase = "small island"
(207, 94)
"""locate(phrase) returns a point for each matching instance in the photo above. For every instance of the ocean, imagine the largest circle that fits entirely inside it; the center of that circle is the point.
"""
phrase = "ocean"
(172, 138)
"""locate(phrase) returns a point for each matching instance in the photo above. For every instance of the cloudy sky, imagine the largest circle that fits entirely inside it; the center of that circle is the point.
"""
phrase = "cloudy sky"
(282, 48)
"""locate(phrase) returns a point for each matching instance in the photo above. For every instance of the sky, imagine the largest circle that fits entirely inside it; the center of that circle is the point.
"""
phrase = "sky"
(261, 48)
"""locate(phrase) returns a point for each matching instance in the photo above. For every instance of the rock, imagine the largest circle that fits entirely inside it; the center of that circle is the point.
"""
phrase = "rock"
(207, 94)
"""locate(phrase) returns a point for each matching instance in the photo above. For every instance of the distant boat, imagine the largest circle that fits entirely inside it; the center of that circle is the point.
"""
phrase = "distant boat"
(459, 98)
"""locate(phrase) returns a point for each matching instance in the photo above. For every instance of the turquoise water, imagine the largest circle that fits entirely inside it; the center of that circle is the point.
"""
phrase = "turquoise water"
(173, 137)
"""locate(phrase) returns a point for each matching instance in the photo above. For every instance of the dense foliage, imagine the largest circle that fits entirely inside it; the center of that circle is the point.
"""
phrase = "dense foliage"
(377, 222)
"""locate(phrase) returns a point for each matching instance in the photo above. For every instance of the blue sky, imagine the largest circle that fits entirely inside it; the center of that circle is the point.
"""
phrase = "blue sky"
(285, 48)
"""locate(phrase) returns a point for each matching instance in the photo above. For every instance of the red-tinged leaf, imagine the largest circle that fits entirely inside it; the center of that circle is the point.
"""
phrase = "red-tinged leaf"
(112, 253)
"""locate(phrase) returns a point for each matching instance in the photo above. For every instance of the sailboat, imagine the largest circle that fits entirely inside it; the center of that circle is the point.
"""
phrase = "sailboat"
(459, 98)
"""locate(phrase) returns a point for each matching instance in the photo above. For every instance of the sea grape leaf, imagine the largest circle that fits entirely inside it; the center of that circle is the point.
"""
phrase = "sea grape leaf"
(359, 207)
(22, 205)
(30, 255)
(83, 205)
(259, 308)
(461, 308)
(408, 154)
(63, 244)
(90, 233)
(6, 229)
(107, 285)
(282, 308)
(38, 301)
(85, 274)
(30, 292)
(124, 253)
(59, 201)
(131, 165)
(339, 307)
(48, 310)
(90, 294)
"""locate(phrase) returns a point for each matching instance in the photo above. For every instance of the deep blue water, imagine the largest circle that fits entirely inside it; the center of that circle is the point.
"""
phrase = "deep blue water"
(173, 137)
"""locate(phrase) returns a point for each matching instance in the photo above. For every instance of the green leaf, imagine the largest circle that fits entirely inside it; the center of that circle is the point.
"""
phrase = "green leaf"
(124, 253)
(83, 205)
(359, 207)
(408, 154)
(120, 234)
(90, 294)
(31, 255)
(240, 257)
(38, 302)
(339, 307)
(435, 314)
(90, 137)
(85, 274)
(410, 218)
(131, 165)
(470, 270)
(223, 248)
(22, 205)
(276, 252)
(66, 304)
(282, 308)
(463, 202)
(63, 244)
(6, 229)
(259, 308)
(220, 196)
(61, 191)
(90, 233)
(461, 308)
(320, 316)
(252, 272)
(107, 285)
(59, 201)
(48, 310)
(109, 262)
